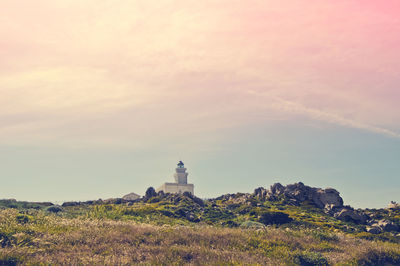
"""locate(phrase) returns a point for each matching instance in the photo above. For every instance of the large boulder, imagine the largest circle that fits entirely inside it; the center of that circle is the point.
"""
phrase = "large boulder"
(261, 193)
(298, 191)
(277, 189)
(328, 198)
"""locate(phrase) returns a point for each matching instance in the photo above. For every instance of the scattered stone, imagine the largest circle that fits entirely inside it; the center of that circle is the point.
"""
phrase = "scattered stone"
(191, 217)
(386, 225)
(252, 225)
(348, 214)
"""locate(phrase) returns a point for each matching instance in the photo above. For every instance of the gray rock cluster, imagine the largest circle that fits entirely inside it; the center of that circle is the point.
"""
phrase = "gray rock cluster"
(376, 227)
(297, 193)
(327, 199)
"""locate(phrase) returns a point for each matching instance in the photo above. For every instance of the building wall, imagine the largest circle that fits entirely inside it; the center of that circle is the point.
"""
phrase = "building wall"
(176, 188)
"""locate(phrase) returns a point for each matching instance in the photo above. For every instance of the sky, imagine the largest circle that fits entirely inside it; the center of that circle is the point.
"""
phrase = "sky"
(102, 98)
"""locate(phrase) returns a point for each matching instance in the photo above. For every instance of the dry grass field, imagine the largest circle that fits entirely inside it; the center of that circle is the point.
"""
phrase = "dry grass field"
(49, 239)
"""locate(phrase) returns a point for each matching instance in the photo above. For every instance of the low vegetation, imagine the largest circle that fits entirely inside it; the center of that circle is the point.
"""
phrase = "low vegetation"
(182, 229)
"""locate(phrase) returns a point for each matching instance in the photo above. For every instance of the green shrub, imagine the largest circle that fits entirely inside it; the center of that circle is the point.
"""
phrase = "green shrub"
(54, 209)
(23, 219)
(379, 257)
(9, 260)
(325, 236)
(5, 240)
(307, 258)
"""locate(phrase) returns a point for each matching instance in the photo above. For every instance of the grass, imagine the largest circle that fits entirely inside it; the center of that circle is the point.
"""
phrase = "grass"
(141, 234)
(178, 229)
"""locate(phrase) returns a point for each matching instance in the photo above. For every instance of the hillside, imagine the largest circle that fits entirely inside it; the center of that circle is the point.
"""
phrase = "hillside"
(294, 224)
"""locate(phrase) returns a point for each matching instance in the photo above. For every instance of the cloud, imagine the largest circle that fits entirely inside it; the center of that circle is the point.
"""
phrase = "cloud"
(113, 71)
(295, 108)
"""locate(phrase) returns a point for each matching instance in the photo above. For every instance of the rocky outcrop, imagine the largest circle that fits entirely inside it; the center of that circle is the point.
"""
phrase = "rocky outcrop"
(327, 199)
(297, 193)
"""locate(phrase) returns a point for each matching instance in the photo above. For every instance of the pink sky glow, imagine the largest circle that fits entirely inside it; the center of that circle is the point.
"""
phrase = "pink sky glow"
(104, 72)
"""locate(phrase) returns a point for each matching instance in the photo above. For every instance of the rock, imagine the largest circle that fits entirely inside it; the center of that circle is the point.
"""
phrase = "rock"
(374, 229)
(260, 193)
(252, 225)
(327, 198)
(191, 217)
(348, 214)
(277, 189)
(387, 226)
(297, 193)
(131, 197)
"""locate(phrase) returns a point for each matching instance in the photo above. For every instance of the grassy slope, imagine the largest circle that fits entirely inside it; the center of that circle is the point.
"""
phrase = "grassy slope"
(158, 232)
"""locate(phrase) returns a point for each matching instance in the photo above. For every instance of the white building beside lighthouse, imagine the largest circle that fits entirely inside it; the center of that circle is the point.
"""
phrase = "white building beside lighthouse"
(180, 184)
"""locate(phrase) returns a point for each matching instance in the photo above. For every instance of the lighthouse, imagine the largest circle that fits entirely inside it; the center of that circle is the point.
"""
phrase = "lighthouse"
(181, 185)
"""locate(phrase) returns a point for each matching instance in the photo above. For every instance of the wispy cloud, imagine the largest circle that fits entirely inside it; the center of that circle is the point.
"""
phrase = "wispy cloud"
(295, 108)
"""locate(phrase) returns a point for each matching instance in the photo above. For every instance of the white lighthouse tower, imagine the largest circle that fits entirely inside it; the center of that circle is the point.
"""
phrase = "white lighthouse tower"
(181, 175)
(180, 184)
